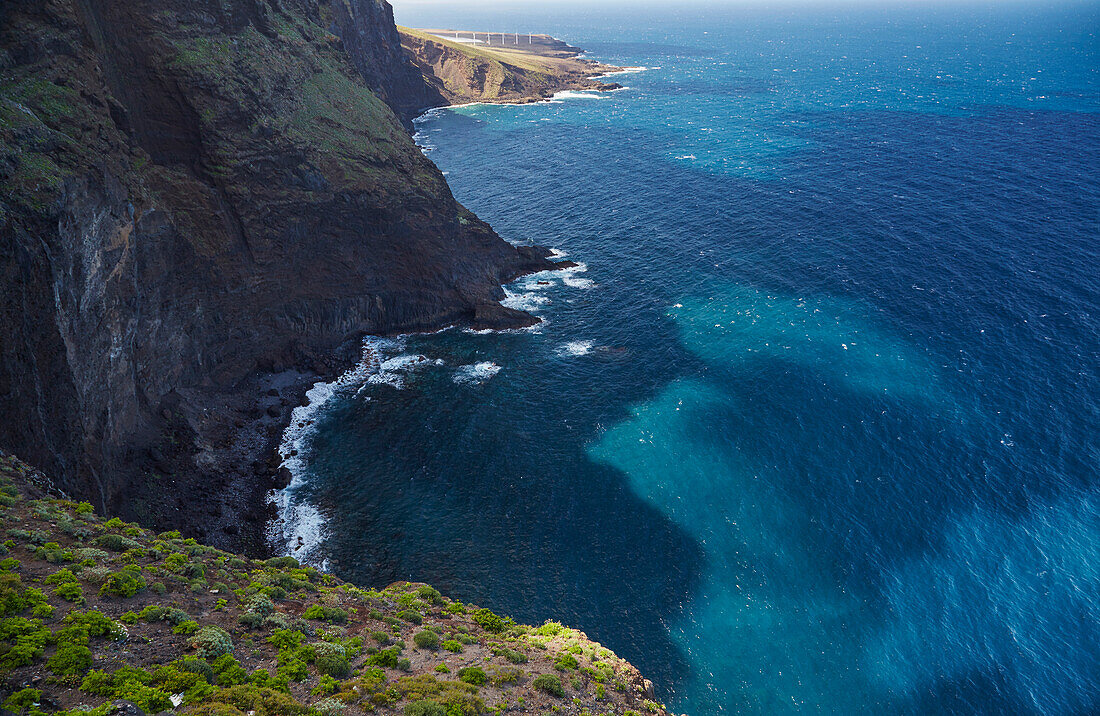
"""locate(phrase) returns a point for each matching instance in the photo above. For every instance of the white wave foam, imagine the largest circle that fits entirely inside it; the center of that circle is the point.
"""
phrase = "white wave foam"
(392, 371)
(476, 374)
(625, 71)
(528, 301)
(575, 348)
(535, 282)
(300, 528)
(558, 254)
(569, 277)
(574, 94)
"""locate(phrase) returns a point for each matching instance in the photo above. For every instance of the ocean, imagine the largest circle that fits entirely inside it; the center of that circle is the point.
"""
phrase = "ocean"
(813, 426)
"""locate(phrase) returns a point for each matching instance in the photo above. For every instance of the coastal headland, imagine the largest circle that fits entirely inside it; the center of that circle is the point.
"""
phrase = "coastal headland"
(466, 66)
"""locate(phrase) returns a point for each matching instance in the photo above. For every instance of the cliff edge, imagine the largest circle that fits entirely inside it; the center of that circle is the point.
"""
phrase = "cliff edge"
(105, 618)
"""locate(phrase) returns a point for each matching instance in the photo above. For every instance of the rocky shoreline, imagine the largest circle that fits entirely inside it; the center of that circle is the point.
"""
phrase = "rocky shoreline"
(238, 513)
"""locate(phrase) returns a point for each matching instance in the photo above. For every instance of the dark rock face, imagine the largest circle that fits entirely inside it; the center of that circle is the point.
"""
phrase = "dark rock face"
(367, 31)
(201, 201)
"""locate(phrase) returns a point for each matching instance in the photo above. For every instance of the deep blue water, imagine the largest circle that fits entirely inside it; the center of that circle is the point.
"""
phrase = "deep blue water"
(816, 430)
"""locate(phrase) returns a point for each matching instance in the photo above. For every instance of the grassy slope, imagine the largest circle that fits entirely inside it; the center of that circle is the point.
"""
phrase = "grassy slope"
(96, 610)
(514, 58)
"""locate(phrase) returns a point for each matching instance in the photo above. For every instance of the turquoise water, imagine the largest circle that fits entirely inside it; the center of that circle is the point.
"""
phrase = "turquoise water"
(815, 427)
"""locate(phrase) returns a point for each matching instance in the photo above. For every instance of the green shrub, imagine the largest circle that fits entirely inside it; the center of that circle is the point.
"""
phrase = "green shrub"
(463, 704)
(125, 583)
(211, 642)
(506, 675)
(325, 685)
(229, 671)
(25, 641)
(95, 623)
(474, 675)
(283, 563)
(294, 669)
(452, 645)
(386, 657)
(550, 628)
(426, 640)
(425, 707)
(71, 592)
(381, 637)
(149, 699)
(188, 627)
(11, 594)
(332, 659)
(566, 661)
(413, 617)
(196, 666)
(549, 684)
(23, 700)
(512, 655)
(489, 621)
(285, 639)
(328, 614)
(429, 594)
(116, 543)
(72, 658)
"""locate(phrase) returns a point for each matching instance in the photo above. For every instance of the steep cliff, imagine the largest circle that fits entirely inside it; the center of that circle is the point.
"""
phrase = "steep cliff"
(203, 205)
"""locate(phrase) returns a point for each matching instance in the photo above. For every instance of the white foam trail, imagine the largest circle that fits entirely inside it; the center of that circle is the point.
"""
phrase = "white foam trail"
(575, 348)
(476, 374)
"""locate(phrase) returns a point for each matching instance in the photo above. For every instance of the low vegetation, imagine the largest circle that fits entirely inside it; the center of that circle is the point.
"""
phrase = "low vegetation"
(95, 611)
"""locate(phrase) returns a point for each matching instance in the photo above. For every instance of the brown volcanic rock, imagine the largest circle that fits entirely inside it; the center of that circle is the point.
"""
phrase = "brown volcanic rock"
(202, 200)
